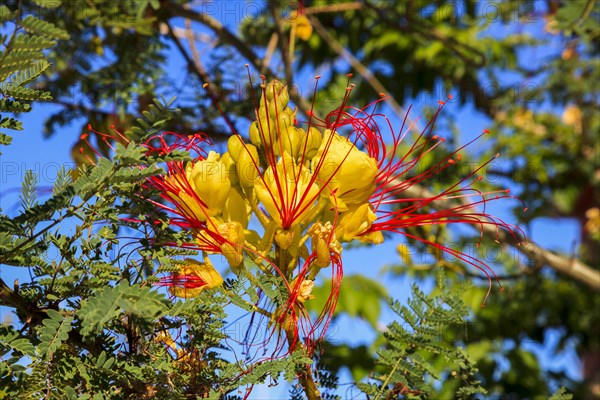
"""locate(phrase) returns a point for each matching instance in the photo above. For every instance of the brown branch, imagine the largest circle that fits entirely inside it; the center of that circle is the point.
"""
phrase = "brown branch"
(283, 44)
(229, 37)
(570, 267)
(333, 8)
(305, 376)
(362, 69)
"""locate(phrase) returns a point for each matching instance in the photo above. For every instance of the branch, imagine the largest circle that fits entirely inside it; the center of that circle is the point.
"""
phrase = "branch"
(243, 48)
(305, 376)
(571, 267)
(283, 44)
(362, 69)
(10, 298)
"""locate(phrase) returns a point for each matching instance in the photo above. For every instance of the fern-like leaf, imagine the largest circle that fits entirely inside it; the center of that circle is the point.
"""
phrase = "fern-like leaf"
(29, 190)
(54, 331)
(44, 28)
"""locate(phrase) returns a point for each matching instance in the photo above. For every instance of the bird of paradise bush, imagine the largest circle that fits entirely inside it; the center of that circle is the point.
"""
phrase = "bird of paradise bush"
(285, 198)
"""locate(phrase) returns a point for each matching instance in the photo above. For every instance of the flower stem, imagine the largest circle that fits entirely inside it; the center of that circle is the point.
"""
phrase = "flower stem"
(305, 375)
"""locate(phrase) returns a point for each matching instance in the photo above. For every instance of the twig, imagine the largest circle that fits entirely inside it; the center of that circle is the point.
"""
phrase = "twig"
(571, 267)
(227, 36)
(283, 44)
(305, 376)
(362, 69)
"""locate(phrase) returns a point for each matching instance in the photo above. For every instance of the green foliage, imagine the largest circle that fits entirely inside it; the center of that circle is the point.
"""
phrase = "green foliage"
(359, 297)
(153, 119)
(22, 60)
(403, 367)
(109, 303)
(561, 394)
(53, 332)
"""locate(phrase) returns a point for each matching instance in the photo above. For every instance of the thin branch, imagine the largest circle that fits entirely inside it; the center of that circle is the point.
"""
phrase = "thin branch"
(362, 69)
(283, 44)
(333, 8)
(570, 267)
(305, 376)
(243, 48)
(194, 66)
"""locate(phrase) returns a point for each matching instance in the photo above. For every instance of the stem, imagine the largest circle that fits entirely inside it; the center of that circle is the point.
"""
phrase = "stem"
(305, 376)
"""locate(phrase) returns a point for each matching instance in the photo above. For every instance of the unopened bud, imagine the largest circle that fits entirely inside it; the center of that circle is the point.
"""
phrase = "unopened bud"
(286, 119)
(292, 142)
(230, 168)
(247, 166)
(313, 142)
(278, 92)
(261, 131)
(235, 144)
(255, 135)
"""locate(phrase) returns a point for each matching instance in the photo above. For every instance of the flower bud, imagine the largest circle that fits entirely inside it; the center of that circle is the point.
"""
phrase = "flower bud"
(313, 142)
(286, 119)
(255, 135)
(230, 168)
(235, 144)
(247, 166)
(263, 130)
(292, 141)
(278, 92)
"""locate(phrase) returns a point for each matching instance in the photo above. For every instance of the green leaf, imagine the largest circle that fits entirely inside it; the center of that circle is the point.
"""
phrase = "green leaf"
(561, 394)
(54, 332)
(23, 345)
(43, 28)
(109, 303)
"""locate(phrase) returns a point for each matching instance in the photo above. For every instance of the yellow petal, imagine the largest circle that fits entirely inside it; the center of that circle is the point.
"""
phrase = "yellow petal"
(349, 172)
(194, 277)
(355, 221)
(302, 24)
(211, 182)
(287, 192)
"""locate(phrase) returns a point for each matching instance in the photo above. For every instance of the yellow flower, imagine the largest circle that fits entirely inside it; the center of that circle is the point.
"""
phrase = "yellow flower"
(323, 242)
(305, 290)
(287, 192)
(182, 194)
(355, 221)
(227, 236)
(209, 179)
(193, 278)
(348, 172)
(592, 224)
(302, 25)
(572, 116)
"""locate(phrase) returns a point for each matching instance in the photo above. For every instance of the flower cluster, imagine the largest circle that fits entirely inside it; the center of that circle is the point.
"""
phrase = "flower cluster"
(288, 195)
